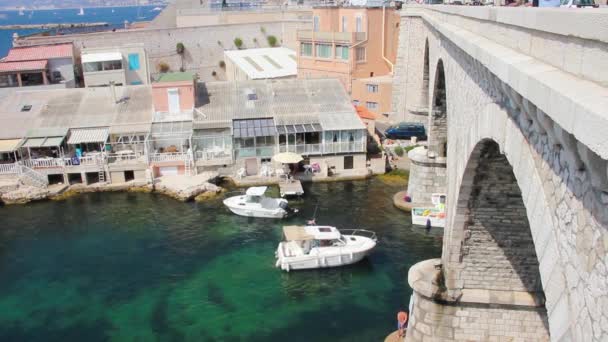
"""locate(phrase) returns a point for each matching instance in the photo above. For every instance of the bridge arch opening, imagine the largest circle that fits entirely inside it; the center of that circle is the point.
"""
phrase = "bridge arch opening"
(438, 120)
(492, 235)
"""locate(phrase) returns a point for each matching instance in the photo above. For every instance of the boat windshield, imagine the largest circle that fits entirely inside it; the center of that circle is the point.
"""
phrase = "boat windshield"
(253, 199)
(329, 243)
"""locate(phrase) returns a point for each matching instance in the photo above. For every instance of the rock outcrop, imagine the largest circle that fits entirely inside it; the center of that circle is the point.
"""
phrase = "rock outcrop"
(24, 194)
(186, 193)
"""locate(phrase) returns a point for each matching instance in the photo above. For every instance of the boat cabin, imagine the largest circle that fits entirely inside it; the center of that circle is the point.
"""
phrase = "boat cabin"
(303, 239)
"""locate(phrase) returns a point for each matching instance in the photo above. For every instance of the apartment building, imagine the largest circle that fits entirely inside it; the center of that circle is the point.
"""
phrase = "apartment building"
(352, 43)
(122, 65)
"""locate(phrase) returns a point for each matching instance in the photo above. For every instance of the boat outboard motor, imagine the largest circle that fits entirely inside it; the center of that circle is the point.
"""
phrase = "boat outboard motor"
(289, 210)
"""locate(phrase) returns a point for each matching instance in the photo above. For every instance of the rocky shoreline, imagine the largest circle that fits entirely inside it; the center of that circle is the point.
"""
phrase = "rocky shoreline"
(22, 194)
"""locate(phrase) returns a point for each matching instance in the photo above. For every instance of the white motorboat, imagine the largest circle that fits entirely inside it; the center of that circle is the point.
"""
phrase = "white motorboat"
(255, 204)
(435, 214)
(307, 247)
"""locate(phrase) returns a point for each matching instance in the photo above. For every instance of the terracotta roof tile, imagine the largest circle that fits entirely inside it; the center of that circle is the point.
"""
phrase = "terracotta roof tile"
(364, 113)
(32, 53)
(23, 66)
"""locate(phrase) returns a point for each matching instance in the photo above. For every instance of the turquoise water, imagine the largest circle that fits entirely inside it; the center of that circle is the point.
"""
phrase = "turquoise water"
(143, 267)
(65, 16)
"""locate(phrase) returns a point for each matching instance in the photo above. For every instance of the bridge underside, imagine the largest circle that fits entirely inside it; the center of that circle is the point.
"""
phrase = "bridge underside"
(493, 289)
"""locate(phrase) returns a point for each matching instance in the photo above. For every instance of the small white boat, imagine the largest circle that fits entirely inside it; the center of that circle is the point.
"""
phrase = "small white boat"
(308, 247)
(436, 214)
(156, 9)
(255, 204)
(81, 12)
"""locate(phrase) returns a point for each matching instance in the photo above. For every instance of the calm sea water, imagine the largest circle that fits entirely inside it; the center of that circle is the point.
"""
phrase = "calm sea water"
(105, 14)
(141, 267)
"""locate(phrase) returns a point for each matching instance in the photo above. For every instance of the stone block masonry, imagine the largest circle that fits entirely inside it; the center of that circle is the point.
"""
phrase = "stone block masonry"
(436, 322)
(427, 176)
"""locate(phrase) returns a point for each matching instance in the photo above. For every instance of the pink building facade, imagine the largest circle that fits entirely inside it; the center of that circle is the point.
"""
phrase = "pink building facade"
(349, 43)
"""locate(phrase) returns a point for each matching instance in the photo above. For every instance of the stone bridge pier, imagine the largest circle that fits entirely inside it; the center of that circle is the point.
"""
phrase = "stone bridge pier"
(516, 104)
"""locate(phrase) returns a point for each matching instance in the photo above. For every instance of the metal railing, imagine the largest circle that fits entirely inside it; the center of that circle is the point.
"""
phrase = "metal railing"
(326, 148)
(360, 232)
(331, 36)
(265, 151)
(84, 161)
(44, 163)
(302, 148)
(126, 158)
(9, 169)
(213, 154)
(168, 157)
(32, 177)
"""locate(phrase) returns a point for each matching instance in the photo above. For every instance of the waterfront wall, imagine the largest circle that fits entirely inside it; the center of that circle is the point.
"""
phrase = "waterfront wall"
(507, 89)
(204, 46)
(431, 321)
(427, 176)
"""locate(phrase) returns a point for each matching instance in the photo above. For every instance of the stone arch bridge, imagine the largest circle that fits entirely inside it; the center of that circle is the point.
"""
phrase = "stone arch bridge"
(515, 101)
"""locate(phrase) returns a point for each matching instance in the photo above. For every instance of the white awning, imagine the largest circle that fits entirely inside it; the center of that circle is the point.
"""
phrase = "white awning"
(101, 57)
(9, 145)
(88, 135)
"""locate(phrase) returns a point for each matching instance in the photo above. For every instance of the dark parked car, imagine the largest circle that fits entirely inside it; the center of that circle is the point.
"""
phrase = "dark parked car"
(406, 130)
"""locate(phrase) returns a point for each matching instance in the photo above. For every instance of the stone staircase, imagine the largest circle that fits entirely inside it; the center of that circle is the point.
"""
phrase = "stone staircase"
(29, 176)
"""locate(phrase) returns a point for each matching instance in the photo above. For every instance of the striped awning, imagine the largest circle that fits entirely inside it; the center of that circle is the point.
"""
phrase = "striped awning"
(9, 145)
(88, 135)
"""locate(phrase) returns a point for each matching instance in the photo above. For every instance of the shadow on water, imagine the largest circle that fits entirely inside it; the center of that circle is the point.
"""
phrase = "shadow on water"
(131, 266)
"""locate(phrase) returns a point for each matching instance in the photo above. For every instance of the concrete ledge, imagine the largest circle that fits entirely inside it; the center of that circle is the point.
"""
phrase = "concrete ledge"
(575, 104)
(399, 202)
(576, 22)
(415, 110)
(425, 278)
(418, 156)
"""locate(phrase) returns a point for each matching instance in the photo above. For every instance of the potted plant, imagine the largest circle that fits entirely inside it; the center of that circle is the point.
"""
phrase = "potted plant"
(238, 42)
(272, 41)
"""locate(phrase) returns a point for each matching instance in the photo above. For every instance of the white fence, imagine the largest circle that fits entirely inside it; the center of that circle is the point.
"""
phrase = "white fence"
(44, 162)
(168, 157)
(214, 154)
(9, 169)
(62, 162)
(345, 147)
(125, 158)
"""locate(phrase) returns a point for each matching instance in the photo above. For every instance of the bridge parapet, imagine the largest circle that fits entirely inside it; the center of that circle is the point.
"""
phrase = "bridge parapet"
(563, 71)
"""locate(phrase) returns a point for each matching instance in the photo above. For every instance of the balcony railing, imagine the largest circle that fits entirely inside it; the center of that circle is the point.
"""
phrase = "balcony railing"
(84, 161)
(168, 157)
(9, 169)
(327, 148)
(266, 151)
(44, 163)
(214, 154)
(332, 36)
(126, 157)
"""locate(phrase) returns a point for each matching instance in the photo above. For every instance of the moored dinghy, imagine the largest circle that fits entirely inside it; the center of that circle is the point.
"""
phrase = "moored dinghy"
(307, 247)
(255, 204)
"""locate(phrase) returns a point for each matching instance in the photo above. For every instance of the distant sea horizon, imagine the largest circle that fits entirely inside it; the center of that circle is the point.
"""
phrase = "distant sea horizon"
(114, 16)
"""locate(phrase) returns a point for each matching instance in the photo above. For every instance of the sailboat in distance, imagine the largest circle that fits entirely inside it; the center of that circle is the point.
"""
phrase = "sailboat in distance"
(81, 12)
